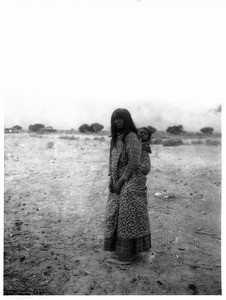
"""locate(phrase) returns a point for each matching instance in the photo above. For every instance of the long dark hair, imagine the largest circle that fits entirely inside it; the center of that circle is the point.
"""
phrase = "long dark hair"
(128, 125)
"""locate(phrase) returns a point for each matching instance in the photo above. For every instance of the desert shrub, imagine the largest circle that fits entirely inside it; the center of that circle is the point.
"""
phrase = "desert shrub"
(211, 142)
(84, 128)
(87, 139)
(198, 142)
(216, 110)
(157, 141)
(96, 127)
(173, 142)
(99, 139)
(152, 129)
(177, 129)
(17, 127)
(102, 139)
(50, 145)
(207, 130)
(36, 127)
(35, 135)
(71, 138)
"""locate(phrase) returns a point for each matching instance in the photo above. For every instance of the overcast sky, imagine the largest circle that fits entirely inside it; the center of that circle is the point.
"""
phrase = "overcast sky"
(62, 57)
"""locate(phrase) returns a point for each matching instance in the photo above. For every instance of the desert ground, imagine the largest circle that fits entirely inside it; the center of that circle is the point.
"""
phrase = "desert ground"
(55, 192)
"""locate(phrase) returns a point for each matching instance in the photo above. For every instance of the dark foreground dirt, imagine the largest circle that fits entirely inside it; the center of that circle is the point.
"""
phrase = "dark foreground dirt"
(55, 196)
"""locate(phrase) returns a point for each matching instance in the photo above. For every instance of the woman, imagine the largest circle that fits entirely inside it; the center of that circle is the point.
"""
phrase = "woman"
(127, 227)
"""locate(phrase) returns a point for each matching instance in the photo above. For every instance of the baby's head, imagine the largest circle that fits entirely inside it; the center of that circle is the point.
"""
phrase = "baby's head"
(144, 134)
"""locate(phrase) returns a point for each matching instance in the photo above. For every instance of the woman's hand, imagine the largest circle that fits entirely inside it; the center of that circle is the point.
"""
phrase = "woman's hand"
(111, 186)
(119, 185)
(146, 147)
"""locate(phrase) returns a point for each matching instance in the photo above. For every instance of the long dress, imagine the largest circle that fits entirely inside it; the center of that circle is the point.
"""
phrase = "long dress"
(127, 226)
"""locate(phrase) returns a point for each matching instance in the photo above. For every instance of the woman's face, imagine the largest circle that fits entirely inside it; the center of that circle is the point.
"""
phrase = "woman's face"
(143, 135)
(119, 123)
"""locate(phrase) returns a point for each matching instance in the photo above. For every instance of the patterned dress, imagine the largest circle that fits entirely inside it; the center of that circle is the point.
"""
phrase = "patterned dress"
(127, 226)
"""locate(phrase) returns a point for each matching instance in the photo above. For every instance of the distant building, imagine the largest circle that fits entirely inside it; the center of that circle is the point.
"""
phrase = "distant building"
(11, 130)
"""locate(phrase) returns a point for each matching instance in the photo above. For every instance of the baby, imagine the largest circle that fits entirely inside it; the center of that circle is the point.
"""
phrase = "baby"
(145, 137)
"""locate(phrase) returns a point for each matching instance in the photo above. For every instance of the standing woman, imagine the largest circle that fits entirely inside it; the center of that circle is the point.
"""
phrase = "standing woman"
(127, 226)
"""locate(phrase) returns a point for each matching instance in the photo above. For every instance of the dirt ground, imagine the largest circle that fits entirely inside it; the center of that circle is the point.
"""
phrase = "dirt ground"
(55, 193)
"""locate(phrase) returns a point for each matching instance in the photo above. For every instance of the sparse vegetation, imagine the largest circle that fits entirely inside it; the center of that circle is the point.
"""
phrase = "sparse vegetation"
(71, 138)
(95, 127)
(177, 129)
(152, 129)
(173, 142)
(17, 127)
(211, 142)
(216, 110)
(84, 128)
(36, 127)
(50, 145)
(197, 142)
(102, 139)
(207, 130)
(36, 135)
(99, 139)
(157, 141)
(65, 187)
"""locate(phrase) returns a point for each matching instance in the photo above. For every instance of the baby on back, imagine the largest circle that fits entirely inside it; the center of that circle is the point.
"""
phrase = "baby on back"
(144, 135)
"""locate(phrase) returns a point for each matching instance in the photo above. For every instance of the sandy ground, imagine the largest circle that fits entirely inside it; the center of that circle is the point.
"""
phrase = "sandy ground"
(54, 208)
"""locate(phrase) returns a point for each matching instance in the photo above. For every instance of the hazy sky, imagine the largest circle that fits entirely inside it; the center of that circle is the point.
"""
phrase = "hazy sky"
(62, 57)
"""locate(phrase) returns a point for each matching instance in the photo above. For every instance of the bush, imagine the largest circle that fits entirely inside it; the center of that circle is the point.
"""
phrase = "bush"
(92, 128)
(175, 129)
(50, 145)
(157, 141)
(96, 127)
(211, 142)
(35, 135)
(36, 127)
(84, 128)
(152, 129)
(17, 127)
(102, 139)
(71, 138)
(207, 130)
(173, 142)
(87, 139)
(198, 142)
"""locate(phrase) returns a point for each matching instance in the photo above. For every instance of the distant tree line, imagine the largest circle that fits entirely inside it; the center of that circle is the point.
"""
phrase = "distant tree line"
(177, 129)
(207, 130)
(36, 127)
(95, 127)
(17, 127)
